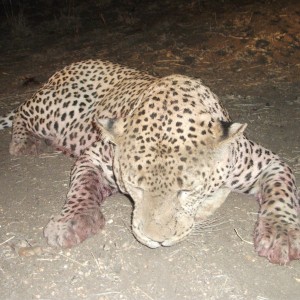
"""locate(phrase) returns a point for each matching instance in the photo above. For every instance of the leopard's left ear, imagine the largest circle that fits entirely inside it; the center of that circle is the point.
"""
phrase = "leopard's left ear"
(111, 129)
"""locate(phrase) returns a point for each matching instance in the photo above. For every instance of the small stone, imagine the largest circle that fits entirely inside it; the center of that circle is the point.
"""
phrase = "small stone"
(29, 251)
(106, 247)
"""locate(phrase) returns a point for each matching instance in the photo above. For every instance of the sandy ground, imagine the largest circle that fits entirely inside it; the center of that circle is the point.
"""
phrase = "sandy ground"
(249, 56)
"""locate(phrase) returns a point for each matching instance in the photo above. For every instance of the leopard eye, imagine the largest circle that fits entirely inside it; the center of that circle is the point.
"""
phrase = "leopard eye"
(137, 192)
(134, 191)
(183, 194)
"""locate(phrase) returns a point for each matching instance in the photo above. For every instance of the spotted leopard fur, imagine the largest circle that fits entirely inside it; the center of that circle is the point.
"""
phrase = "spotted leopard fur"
(167, 142)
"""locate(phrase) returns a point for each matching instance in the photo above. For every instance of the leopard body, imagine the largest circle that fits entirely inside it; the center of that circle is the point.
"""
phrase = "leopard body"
(167, 142)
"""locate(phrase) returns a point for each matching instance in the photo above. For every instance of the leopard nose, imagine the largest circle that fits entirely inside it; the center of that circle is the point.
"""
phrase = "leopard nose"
(156, 233)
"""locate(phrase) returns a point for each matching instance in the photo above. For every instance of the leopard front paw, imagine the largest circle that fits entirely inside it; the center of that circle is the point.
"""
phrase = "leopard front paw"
(279, 242)
(68, 231)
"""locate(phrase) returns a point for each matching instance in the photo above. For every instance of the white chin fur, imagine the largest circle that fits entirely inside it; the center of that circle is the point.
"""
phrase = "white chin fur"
(147, 242)
(152, 244)
(168, 243)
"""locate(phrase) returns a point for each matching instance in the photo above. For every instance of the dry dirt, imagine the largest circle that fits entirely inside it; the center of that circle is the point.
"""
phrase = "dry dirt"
(246, 51)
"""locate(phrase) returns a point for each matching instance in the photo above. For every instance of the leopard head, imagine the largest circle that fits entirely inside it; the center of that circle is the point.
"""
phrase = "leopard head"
(170, 155)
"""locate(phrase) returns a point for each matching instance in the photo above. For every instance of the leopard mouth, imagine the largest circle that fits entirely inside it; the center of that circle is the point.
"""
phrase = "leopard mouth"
(154, 244)
(146, 241)
(168, 242)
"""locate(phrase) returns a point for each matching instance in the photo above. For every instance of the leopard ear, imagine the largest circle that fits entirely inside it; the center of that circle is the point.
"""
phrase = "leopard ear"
(111, 129)
(229, 130)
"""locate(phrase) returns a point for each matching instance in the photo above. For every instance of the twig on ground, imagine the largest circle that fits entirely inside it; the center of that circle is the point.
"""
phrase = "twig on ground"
(9, 239)
(236, 232)
(144, 293)
(68, 258)
(97, 262)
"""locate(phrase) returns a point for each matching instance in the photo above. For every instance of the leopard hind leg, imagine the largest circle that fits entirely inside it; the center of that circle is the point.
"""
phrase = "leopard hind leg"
(23, 141)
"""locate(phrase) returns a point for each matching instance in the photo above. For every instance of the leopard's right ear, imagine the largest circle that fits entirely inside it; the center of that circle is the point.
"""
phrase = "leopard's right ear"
(111, 129)
(231, 130)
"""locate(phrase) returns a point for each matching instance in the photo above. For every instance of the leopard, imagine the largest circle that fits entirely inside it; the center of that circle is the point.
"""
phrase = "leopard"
(166, 142)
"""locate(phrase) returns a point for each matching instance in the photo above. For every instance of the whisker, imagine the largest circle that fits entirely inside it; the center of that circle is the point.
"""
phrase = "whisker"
(209, 225)
(206, 230)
